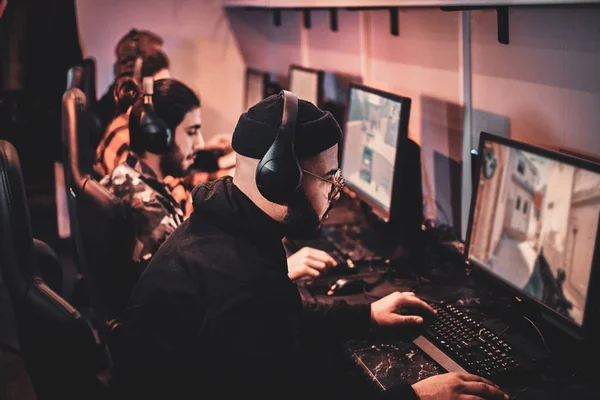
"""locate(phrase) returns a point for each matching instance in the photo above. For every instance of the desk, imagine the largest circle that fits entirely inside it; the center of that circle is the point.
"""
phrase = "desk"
(389, 357)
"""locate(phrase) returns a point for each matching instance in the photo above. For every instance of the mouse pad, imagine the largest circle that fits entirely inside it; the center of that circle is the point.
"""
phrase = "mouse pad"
(388, 364)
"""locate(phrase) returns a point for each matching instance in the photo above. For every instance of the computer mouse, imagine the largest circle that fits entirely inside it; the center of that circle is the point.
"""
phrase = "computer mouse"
(344, 287)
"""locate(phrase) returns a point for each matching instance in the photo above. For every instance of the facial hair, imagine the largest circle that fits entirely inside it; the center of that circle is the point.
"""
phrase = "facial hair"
(172, 163)
(301, 220)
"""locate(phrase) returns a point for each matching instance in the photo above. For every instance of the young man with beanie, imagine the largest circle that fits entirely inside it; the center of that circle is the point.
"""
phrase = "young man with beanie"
(216, 316)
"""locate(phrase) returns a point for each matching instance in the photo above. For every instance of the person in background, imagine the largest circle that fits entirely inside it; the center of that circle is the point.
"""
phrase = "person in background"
(132, 45)
(215, 310)
(114, 146)
(147, 181)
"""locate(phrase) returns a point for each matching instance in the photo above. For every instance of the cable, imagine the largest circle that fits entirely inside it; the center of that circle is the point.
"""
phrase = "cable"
(539, 333)
(504, 331)
(367, 287)
(369, 295)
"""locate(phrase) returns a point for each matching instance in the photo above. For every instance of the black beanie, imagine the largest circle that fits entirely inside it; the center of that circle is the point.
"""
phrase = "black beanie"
(316, 130)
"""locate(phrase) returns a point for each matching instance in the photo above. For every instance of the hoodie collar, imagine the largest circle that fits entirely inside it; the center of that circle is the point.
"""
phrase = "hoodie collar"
(234, 212)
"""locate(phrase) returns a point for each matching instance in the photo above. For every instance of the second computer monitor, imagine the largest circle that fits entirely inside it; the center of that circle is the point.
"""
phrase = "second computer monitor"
(306, 83)
(534, 224)
(376, 128)
(256, 82)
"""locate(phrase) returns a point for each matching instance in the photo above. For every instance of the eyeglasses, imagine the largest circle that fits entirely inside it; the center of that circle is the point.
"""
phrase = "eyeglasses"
(337, 183)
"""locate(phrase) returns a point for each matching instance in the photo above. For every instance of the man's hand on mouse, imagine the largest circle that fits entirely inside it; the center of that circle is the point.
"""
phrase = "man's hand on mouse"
(386, 311)
(309, 263)
(453, 386)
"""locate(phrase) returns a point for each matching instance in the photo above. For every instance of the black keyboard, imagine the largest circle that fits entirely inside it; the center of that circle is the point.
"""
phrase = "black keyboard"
(470, 344)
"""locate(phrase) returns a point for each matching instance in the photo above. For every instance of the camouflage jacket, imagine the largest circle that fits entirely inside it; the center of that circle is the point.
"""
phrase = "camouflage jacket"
(154, 211)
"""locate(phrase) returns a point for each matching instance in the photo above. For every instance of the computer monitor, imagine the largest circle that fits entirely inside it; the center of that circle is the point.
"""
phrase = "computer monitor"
(533, 226)
(580, 154)
(307, 83)
(336, 86)
(376, 129)
(573, 152)
(256, 83)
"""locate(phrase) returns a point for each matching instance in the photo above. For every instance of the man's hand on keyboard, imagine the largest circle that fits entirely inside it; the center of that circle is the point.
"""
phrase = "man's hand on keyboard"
(386, 311)
(453, 386)
(309, 263)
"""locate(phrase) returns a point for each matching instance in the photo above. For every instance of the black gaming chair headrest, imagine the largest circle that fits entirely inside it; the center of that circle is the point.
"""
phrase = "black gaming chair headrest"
(16, 241)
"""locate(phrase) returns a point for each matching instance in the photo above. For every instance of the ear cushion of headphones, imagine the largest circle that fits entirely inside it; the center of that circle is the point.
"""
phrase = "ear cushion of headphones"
(157, 137)
(278, 175)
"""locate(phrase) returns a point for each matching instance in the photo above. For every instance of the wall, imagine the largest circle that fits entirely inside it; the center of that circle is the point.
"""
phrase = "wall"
(543, 87)
(546, 82)
(198, 40)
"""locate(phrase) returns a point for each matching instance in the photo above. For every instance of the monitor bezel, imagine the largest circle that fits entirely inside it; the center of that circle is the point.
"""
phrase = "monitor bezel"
(580, 154)
(320, 80)
(378, 209)
(253, 71)
(592, 297)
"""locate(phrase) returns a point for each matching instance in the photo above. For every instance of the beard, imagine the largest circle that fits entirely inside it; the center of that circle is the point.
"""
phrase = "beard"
(301, 220)
(172, 163)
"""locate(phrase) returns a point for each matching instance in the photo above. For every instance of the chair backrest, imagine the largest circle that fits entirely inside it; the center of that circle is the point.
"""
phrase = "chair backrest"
(58, 344)
(106, 233)
(74, 103)
(75, 76)
(16, 241)
(99, 221)
(78, 151)
(89, 80)
(92, 122)
(15, 382)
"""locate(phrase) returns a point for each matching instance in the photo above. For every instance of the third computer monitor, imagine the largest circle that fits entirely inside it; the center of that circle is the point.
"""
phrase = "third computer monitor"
(306, 83)
(534, 224)
(376, 128)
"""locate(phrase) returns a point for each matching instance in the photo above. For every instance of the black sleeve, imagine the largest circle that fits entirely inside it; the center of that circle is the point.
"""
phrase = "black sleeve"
(15, 383)
(340, 320)
(154, 347)
(255, 348)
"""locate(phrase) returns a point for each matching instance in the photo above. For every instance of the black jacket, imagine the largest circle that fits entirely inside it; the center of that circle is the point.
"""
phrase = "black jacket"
(215, 312)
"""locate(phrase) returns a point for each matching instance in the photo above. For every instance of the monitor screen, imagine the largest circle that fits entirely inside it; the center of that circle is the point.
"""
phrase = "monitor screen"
(255, 87)
(534, 224)
(372, 129)
(305, 83)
